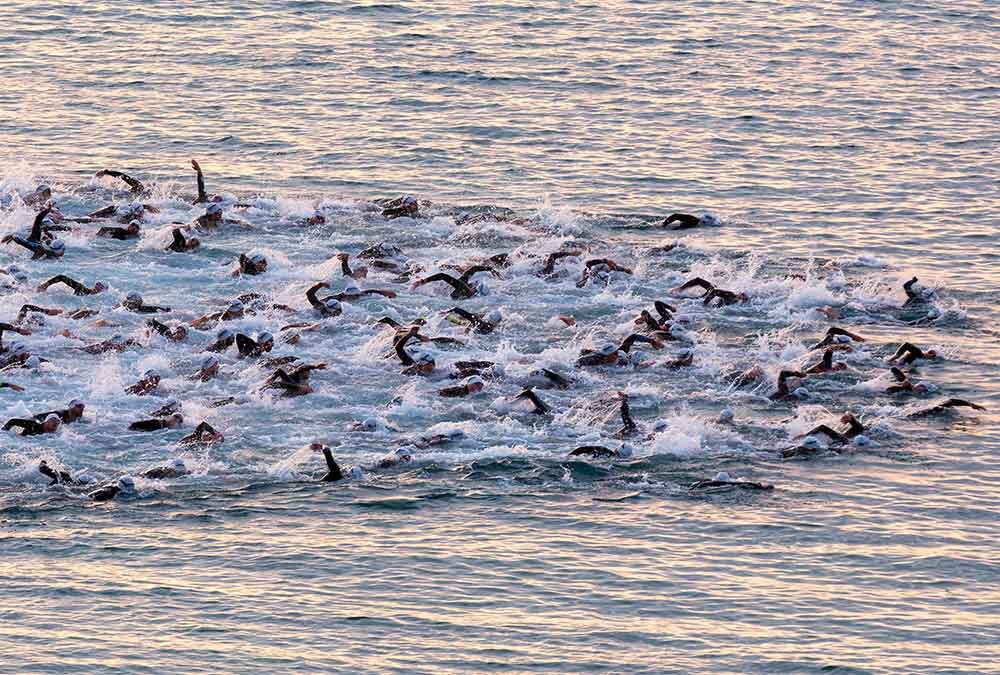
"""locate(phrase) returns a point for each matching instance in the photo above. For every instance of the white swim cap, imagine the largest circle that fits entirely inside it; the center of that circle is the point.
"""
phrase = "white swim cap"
(369, 423)
(423, 358)
(77, 403)
(709, 219)
(404, 451)
(258, 258)
(661, 425)
(862, 440)
(209, 362)
(213, 209)
(801, 392)
(235, 306)
(474, 379)
(134, 298)
(842, 339)
(151, 373)
(812, 443)
(224, 334)
(126, 483)
(265, 337)
(33, 362)
(52, 416)
(18, 348)
(455, 434)
(493, 317)
(626, 450)
(357, 473)
(353, 289)
(607, 350)
(332, 304)
(726, 416)
(57, 245)
(723, 477)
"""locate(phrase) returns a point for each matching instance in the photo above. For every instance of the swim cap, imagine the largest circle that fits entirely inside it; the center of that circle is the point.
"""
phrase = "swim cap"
(77, 403)
(51, 417)
(150, 374)
(352, 290)
(134, 297)
(18, 348)
(626, 450)
(709, 220)
(370, 424)
(33, 362)
(209, 362)
(258, 258)
(100, 286)
(726, 416)
(357, 473)
(213, 209)
(812, 443)
(264, 337)
(661, 425)
(842, 339)
(404, 452)
(723, 477)
(134, 222)
(179, 464)
(494, 317)
(475, 379)
(57, 245)
(332, 304)
(801, 392)
(235, 306)
(117, 338)
(224, 334)
(455, 434)
(47, 220)
(862, 440)
(423, 358)
(607, 350)
(126, 483)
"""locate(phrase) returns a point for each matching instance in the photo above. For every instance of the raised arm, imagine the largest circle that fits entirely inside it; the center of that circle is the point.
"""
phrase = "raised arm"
(135, 185)
(202, 197)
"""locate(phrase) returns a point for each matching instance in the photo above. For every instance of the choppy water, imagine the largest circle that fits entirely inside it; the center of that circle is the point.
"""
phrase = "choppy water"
(854, 143)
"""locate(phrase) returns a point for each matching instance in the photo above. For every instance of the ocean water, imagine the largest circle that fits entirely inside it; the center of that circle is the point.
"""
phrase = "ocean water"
(845, 147)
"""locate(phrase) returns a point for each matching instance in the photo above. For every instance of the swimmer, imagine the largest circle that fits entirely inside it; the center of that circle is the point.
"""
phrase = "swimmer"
(180, 244)
(34, 241)
(345, 268)
(915, 296)
(608, 355)
(684, 359)
(136, 186)
(601, 452)
(433, 440)
(249, 347)
(909, 352)
(157, 424)
(235, 310)
(723, 298)
(722, 479)
(125, 486)
(212, 217)
(251, 265)
(74, 285)
(121, 233)
(352, 293)
(40, 195)
(601, 268)
(59, 477)
(133, 302)
(697, 282)
(838, 337)
(295, 383)
(401, 206)
(422, 364)
(481, 324)
(208, 370)
(12, 386)
(35, 309)
(147, 384)
(629, 342)
(783, 377)
(402, 455)
(826, 364)
(203, 434)
(685, 221)
(946, 406)
(178, 333)
(328, 306)
(471, 385)
(224, 339)
(49, 425)
(903, 384)
(381, 250)
(333, 472)
(116, 343)
(72, 413)
(176, 470)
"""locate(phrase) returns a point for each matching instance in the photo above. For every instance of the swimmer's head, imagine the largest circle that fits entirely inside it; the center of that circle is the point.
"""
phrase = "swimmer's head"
(33, 362)
(474, 383)
(224, 334)
(931, 353)
(151, 374)
(861, 440)
(214, 210)
(133, 299)
(493, 317)
(627, 450)
(57, 245)
(842, 339)
(126, 484)
(660, 426)
(100, 286)
(77, 404)
(179, 465)
(726, 416)
(133, 227)
(235, 307)
(455, 434)
(352, 289)
(723, 477)
(357, 473)
(368, 424)
(332, 305)
(607, 349)
(801, 392)
(811, 443)
(18, 348)
(51, 423)
(265, 338)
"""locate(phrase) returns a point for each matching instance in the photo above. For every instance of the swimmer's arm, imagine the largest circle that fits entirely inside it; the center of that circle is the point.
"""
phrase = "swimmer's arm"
(27, 309)
(13, 328)
(10, 385)
(135, 185)
(311, 294)
(697, 282)
(106, 212)
(36, 227)
(202, 197)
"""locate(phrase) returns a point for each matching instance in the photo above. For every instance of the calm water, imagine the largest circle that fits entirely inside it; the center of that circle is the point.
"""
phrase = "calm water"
(854, 142)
